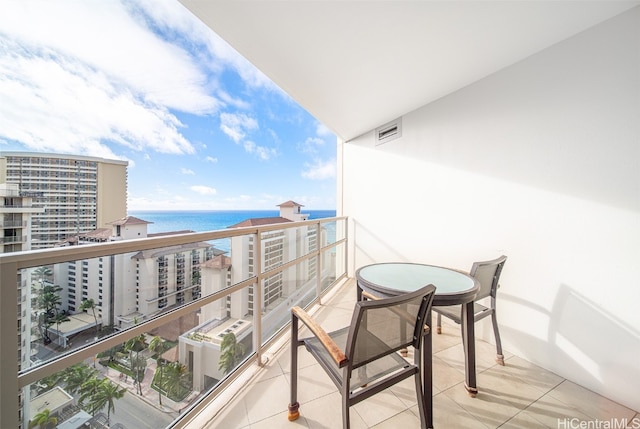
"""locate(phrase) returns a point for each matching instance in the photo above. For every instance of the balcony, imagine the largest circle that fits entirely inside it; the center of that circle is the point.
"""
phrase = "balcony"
(517, 395)
(254, 390)
(190, 332)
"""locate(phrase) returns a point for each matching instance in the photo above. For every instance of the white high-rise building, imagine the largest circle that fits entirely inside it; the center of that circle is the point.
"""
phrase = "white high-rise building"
(131, 287)
(201, 347)
(79, 193)
(16, 211)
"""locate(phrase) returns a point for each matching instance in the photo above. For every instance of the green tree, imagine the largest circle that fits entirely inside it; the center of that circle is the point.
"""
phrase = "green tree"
(231, 352)
(138, 363)
(176, 377)
(43, 419)
(49, 302)
(156, 345)
(106, 394)
(74, 377)
(43, 273)
(87, 391)
(90, 304)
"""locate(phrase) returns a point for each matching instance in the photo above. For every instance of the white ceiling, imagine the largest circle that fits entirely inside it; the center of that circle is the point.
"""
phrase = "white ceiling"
(356, 65)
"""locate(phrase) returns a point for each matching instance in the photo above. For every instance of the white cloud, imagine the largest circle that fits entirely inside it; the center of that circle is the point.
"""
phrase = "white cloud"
(114, 84)
(320, 170)
(321, 130)
(58, 104)
(311, 145)
(203, 190)
(262, 152)
(236, 125)
(171, 15)
(187, 171)
(116, 42)
(211, 159)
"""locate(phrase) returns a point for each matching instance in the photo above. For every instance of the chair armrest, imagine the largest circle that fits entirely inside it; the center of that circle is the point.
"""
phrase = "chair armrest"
(336, 353)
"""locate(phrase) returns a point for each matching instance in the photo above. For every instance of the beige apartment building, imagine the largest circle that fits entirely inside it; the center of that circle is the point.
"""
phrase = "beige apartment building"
(78, 193)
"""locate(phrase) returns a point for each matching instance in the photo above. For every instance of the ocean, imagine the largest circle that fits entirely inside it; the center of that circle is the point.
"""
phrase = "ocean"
(200, 221)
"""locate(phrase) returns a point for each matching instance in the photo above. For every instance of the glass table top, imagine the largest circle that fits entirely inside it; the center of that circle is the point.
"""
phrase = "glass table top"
(407, 277)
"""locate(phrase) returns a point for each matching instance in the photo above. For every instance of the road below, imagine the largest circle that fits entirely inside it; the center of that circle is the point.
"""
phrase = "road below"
(134, 413)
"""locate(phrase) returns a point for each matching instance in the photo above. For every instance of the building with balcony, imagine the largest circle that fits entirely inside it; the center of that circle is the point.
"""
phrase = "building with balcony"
(279, 291)
(16, 213)
(131, 287)
(79, 193)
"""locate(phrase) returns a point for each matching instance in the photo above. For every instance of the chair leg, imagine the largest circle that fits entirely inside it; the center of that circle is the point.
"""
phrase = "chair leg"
(496, 333)
(345, 412)
(438, 323)
(420, 396)
(294, 406)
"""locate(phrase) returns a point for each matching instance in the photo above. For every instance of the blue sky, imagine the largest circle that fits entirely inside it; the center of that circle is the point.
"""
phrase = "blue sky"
(147, 82)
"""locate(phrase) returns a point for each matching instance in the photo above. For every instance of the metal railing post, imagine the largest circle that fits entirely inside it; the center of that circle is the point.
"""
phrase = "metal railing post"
(9, 298)
(318, 264)
(257, 298)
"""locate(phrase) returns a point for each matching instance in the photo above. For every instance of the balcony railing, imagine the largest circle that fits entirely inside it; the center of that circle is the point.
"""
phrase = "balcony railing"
(13, 239)
(192, 331)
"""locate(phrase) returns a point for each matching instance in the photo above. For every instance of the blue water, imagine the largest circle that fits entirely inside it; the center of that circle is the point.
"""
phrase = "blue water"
(200, 221)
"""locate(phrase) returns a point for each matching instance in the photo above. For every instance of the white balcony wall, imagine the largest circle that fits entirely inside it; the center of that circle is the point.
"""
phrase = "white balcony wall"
(541, 162)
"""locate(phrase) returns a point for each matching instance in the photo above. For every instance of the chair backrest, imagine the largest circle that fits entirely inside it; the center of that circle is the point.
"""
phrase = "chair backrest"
(488, 275)
(384, 326)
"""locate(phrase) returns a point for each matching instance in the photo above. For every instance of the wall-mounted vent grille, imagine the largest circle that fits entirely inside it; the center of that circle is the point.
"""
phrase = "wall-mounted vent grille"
(389, 131)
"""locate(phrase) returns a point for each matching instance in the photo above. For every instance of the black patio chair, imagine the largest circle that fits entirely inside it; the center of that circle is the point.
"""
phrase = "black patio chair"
(488, 274)
(362, 359)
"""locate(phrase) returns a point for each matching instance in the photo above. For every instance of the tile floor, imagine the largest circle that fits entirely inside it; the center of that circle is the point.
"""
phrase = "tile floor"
(517, 395)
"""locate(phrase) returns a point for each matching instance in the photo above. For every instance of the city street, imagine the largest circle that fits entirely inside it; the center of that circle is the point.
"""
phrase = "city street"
(133, 413)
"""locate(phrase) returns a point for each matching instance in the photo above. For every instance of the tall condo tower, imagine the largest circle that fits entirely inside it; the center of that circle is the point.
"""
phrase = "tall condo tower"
(78, 193)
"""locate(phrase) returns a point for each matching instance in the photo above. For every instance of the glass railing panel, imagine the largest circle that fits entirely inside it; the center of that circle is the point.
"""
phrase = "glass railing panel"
(334, 230)
(61, 310)
(296, 285)
(137, 291)
(72, 304)
(332, 265)
(285, 245)
(154, 376)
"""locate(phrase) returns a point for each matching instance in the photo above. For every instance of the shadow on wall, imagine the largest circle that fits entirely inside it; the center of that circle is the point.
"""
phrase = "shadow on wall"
(364, 238)
(587, 345)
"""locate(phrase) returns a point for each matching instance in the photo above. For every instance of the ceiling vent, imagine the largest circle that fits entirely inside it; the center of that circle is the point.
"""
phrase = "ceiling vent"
(389, 131)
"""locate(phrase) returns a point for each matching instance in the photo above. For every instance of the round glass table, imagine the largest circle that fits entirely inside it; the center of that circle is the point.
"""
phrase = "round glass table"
(452, 288)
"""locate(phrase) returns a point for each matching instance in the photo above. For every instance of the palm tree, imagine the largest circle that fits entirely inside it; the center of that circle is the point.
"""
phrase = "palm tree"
(74, 377)
(90, 304)
(106, 394)
(48, 301)
(157, 346)
(136, 345)
(231, 352)
(87, 392)
(176, 377)
(43, 272)
(43, 419)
